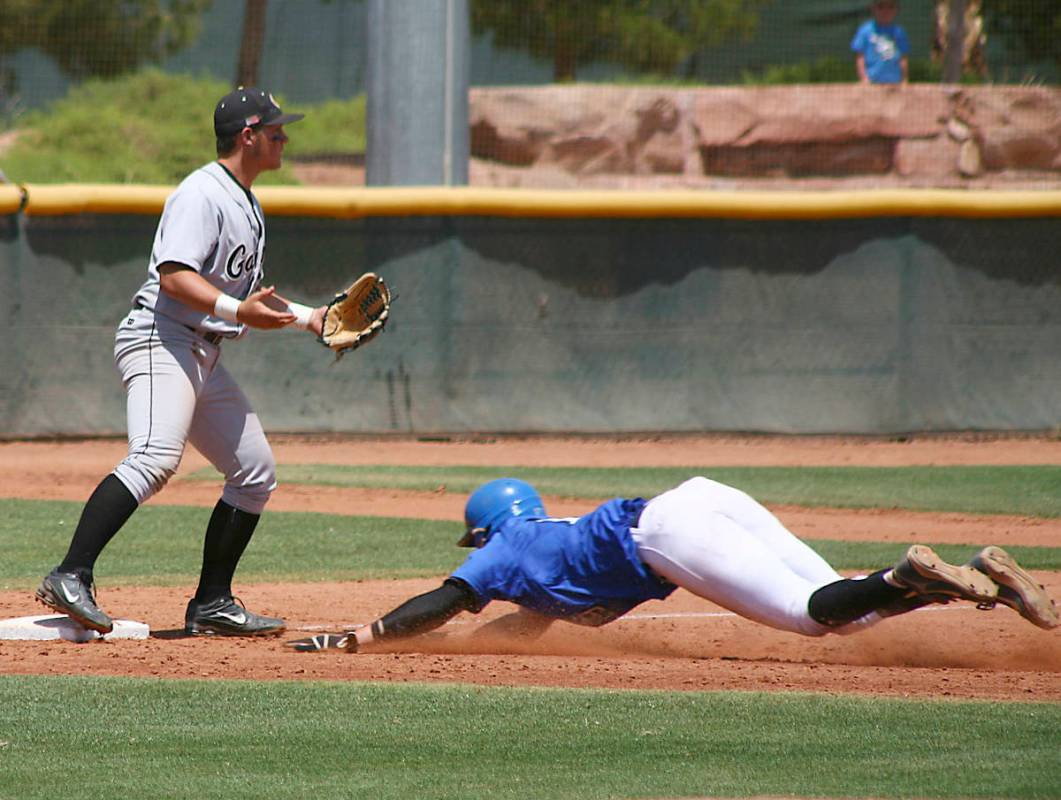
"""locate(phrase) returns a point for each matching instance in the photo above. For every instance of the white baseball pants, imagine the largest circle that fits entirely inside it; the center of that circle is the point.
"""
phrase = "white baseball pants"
(720, 544)
(177, 391)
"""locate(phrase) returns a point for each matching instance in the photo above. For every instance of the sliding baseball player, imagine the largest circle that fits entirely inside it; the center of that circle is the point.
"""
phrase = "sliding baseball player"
(711, 539)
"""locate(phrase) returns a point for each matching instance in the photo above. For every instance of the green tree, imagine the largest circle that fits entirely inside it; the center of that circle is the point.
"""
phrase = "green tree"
(644, 35)
(100, 38)
(1033, 24)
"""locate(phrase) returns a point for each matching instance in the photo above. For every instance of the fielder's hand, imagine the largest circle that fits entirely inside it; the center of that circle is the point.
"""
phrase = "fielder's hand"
(282, 305)
(262, 310)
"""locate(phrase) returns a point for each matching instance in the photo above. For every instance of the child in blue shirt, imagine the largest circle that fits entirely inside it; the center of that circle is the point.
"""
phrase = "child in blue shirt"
(881, 46)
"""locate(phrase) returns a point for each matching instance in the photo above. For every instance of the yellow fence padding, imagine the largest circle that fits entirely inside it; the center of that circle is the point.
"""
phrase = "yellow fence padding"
(61, 199)
(357, 202)
(10, 199)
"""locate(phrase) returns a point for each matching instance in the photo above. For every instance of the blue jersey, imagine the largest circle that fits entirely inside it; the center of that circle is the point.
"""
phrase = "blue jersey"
(584, 570)
(883, 47)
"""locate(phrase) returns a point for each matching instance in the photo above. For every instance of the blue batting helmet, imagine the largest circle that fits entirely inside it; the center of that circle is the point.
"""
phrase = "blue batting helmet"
(493, 503)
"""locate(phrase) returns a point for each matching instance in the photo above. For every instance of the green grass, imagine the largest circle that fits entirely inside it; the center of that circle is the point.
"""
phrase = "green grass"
(848, 555)
(1024, 490)
(152, 127)
(162, 546)
(336, 126)
(235, 739)
(833, 69)
(146, 738)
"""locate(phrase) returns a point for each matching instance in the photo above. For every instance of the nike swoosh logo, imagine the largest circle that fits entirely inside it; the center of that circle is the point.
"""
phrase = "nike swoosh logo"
(70, 598)
(239, 619)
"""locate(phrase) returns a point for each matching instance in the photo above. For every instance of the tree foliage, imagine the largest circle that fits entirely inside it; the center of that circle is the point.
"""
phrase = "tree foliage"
(1034, 24)
(644, 35)
(100, 38)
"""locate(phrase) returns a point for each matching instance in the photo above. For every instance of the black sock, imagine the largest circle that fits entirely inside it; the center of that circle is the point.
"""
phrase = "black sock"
(845, 601)
(227, 536)
(106, 511)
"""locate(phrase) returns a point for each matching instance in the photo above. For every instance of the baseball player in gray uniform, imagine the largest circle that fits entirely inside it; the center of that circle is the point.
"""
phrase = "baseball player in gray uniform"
(204, 288)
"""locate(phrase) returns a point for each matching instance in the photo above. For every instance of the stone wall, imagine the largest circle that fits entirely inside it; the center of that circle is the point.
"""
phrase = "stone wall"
(922, 135)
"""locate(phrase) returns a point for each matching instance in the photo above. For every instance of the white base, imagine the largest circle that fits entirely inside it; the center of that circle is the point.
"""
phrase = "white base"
(60, 626)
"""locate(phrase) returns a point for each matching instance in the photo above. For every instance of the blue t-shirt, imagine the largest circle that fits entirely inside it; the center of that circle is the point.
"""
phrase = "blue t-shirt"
(883, 47)
(584, 570)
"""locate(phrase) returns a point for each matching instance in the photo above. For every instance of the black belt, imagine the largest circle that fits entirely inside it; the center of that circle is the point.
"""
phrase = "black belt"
(213, 338)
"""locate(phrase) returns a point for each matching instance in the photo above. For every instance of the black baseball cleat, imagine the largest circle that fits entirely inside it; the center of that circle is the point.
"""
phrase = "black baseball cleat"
(68, 594)
(1016, 588)
(227, 616)
(926, 574)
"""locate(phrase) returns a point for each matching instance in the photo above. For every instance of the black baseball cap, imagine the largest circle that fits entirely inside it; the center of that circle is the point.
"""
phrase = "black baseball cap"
(246, 107)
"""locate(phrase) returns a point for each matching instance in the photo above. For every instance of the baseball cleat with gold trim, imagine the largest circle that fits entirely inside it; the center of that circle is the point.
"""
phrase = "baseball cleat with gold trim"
(924, 572)
(1016, 588)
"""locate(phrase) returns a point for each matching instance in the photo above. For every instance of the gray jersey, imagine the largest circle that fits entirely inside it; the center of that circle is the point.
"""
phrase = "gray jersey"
(216, 227)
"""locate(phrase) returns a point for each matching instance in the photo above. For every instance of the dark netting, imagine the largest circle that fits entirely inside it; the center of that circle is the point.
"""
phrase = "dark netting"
(864, 326)
(616, 102)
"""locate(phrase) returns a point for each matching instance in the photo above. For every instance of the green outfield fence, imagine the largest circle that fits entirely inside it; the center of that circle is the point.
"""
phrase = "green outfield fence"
(863, 312)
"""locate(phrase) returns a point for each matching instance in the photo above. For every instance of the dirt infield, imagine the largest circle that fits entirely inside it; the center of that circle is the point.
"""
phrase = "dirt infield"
(682, 643)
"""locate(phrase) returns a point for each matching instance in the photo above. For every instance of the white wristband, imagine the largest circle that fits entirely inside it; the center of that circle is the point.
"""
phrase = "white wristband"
(364, 635)
(226, 307)
(303, 313)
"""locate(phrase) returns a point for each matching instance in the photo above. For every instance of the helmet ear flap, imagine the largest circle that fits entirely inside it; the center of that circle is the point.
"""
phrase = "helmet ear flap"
(473, 537)
(495, 502)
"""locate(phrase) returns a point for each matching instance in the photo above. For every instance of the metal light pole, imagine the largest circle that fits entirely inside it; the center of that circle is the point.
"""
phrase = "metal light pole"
(417, 105)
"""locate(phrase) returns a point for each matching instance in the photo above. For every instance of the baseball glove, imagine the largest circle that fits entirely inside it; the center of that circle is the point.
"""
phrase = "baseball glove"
(325, 641)
(356, 316)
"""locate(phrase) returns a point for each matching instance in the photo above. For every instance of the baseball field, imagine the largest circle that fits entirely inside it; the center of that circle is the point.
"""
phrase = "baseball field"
(678, 699)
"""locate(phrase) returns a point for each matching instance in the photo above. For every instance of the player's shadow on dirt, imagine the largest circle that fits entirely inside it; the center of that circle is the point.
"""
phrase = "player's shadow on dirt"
(170, 634)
